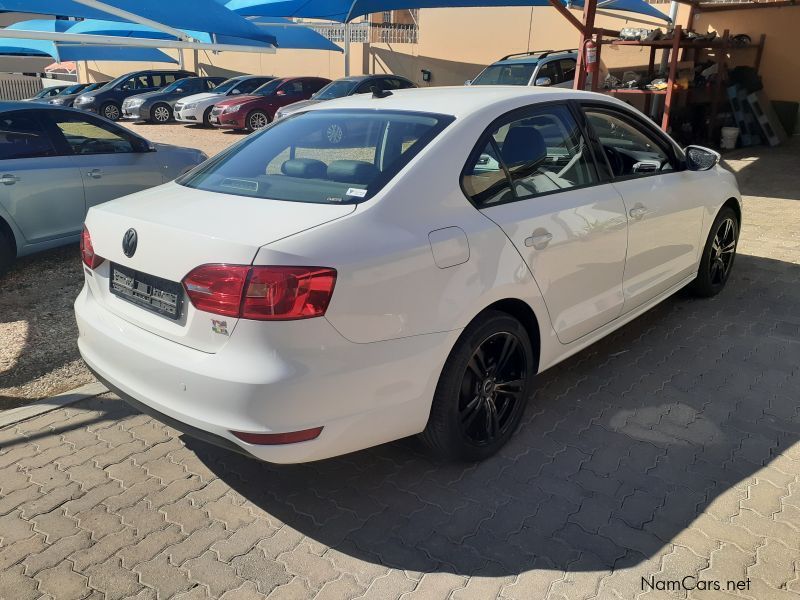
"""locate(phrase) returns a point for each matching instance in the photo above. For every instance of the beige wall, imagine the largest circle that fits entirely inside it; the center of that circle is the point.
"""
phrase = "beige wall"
(780, 66)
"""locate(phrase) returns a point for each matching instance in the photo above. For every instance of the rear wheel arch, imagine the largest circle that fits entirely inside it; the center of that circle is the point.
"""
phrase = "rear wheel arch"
(522, 312)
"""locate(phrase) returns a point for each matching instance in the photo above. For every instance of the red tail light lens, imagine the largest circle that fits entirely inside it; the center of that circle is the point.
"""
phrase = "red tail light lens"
(261, 293)
(274, 439)
(90, 259)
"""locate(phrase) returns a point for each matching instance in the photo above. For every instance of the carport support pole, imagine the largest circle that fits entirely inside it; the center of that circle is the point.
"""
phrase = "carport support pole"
(347, 49)
(589, 9)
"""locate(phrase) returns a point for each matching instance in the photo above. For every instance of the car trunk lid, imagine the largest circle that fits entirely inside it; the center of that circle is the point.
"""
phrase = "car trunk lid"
(178, 229)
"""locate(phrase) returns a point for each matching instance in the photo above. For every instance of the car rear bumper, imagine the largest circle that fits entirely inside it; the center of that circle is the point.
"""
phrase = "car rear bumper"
(270, 378)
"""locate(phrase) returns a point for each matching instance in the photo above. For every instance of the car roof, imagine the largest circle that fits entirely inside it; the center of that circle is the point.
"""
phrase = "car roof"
(532, 59)
(461, 101)
(356, 78)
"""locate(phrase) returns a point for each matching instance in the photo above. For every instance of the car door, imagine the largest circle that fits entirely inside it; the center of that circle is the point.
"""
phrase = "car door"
(40, 189)
(112, 162)
(289, 92)
(665, 213)
(312, 86)
(533, 173)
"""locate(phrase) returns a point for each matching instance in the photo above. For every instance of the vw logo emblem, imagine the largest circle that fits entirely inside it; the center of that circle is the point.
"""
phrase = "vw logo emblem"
(129, 242)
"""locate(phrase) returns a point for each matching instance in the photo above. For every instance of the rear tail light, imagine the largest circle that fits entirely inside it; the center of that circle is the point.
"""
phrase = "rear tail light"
(261, 293)
(90, 259)
(273, 439)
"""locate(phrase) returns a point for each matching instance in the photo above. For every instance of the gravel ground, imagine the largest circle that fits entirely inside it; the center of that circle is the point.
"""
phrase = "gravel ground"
(38, 353)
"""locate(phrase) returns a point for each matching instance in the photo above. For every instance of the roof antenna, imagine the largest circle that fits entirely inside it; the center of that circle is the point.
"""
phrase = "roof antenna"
(379, 93)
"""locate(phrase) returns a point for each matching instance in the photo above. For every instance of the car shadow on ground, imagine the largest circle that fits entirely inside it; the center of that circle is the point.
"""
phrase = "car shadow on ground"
(35, 338)
(623, 446)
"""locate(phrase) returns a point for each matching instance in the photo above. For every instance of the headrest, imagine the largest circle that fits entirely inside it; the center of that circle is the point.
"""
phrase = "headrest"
(352, 171)
(308, 168)
(523, 145)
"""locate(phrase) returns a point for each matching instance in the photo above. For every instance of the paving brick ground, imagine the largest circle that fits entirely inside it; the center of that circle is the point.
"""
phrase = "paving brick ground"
(669, 449)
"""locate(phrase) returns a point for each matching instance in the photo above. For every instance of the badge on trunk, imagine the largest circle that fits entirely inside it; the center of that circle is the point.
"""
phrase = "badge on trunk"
(129, 242)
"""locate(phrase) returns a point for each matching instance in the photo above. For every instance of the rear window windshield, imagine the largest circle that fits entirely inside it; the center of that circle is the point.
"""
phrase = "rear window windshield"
(336, 89)
(325, 156)
(505, 75)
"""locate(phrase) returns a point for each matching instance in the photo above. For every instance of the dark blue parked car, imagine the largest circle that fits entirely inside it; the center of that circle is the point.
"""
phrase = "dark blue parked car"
(107, 101)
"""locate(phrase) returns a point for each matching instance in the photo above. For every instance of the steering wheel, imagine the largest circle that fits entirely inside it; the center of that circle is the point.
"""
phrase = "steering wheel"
(615, 160)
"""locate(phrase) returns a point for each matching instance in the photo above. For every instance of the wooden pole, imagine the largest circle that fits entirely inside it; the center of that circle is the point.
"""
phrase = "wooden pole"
(589, 9)
(673, 67)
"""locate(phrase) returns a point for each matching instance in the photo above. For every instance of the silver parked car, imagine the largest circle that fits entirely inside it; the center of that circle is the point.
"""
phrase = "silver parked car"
(56, 163)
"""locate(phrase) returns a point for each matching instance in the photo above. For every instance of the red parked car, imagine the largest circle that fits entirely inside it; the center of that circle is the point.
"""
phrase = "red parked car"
(257, 110)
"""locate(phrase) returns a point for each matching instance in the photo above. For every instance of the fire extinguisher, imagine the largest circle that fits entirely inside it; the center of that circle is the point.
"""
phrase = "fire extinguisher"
(591, 56)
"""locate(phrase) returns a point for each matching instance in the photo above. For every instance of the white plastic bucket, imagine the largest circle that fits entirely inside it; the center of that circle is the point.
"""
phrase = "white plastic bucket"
(729, 136)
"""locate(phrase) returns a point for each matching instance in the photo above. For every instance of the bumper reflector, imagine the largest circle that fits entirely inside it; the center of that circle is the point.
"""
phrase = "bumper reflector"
(273, 439)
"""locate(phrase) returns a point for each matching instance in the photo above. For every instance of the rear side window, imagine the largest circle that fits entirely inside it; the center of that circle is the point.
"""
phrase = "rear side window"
(21, 136)
(539, 153)
(324, 156)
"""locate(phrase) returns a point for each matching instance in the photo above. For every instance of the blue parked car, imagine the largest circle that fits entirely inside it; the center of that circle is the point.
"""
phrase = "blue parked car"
(56, 163)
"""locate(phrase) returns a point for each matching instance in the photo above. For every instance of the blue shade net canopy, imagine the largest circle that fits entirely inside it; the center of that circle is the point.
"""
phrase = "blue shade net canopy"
(196, 15)
(285, 34)
(64, 51)
(347, 10)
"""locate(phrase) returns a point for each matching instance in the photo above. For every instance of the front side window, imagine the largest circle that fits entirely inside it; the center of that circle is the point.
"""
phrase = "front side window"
(549, 70)
(299, 160)
(631, 151)
(21, 136)
(567, 66)
(85, 136)
(539, 153)
(292, 87)
(508, 74)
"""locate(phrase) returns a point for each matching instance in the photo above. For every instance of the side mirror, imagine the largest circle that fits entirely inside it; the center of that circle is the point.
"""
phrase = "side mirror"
(280, 93)
(235, 92)
(179, 91)
(543, 81)
(468, 82)
(699, 158)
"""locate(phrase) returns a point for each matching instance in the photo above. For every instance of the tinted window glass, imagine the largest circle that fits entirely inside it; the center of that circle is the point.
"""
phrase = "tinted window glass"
(268, 88)
(567, 69)
(21, 136)
(630, 150)
(336, 89)
(292, 87)
(248, 85)
(86, 136)
(323, 156)
(543, 152)
(506, 74)
(549, 70)
(162, 79)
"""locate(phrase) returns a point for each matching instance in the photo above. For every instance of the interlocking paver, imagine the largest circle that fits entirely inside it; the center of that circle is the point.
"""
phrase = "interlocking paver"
(670, 448)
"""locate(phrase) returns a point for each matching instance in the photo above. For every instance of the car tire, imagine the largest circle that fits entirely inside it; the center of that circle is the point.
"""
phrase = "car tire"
(480, 397)
(207, 117)
(111, 111)
(257, 119)
(8, 251)
(719, 254)
(161, 113)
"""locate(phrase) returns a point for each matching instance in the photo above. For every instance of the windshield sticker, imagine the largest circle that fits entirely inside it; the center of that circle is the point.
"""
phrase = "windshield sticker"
(357, 192)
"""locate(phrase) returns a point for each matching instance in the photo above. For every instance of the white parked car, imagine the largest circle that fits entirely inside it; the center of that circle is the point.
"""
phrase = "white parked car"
(296, 300)
(196, 109)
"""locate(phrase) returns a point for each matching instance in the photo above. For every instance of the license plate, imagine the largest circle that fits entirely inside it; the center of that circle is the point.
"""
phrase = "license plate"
(155, 294)
(213, 119)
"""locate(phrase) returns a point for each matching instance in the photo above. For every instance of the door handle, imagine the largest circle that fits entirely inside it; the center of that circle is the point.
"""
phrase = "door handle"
(95, 173)
(539, 241)
(637, 212)
(9, 179)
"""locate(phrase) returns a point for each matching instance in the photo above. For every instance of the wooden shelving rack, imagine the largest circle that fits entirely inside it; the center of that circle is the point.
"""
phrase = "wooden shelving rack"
(721, 45)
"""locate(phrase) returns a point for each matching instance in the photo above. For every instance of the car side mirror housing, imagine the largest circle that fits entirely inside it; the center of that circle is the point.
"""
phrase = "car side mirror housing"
(468, 82)
(700, 158)
(543, 81)
(235, 92)
(280, 93)
(179, 91)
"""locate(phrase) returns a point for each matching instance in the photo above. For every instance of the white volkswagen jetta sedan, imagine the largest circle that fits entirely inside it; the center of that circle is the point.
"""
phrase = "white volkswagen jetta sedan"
(295, 300)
